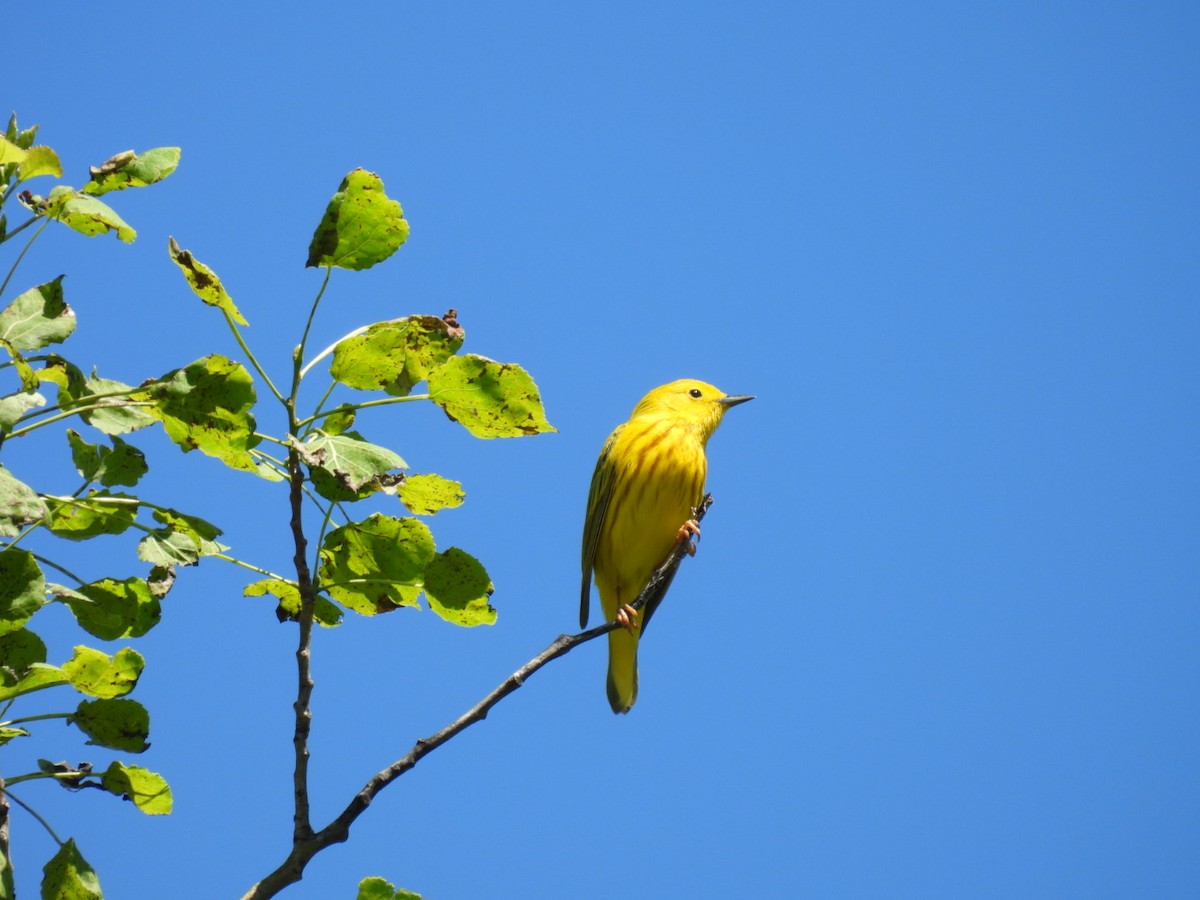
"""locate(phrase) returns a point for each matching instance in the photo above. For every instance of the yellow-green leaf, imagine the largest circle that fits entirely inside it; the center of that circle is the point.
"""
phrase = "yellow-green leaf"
(68, 876)
(362, 226)
(488, 398)
(393, 356)
(128, 169)
(424, 495)
(148, 790)
(100, 675)
(204, 282)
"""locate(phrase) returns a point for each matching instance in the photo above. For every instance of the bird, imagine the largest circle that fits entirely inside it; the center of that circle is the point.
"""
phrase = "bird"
(648, 482)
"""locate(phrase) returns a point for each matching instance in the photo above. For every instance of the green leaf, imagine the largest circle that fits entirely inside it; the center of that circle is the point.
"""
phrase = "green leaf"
(37, 318)
(68, 876)
(340, 420)
(206, 406)
(376, 888)
(393, 356)
(182, 540)
(124, 464)
(21, 138)
(119, 410)
(362, 226)
(488, 398)
(118, 724)
(325, 613)
(19, 505)
(376, 565)
(10, 152)
(7, 733)
(37, 677)
(148, 790)
(204, 282)
(39, 161)
(19, 650)
(100, 675)
(458, 587)
(424, 495)
(100, 512)
(22, 588)
(84, 214)
(348, 467)
(14, 406)
(128, 169)
(111, 609)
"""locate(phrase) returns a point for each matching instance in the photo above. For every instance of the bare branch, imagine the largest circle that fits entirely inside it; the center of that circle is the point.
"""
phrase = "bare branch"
(337, 831)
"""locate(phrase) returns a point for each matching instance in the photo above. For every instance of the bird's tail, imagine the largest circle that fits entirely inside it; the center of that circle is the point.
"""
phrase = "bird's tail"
(622, 669)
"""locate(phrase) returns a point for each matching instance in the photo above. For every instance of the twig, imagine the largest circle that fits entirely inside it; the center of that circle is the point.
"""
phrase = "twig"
(337, 831)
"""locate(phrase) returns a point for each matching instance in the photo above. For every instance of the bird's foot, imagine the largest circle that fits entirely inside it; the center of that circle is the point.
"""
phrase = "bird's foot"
(688, 530)
(627, 618)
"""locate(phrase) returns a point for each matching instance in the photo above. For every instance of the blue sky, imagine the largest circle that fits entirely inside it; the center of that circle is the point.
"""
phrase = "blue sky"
(941, 637)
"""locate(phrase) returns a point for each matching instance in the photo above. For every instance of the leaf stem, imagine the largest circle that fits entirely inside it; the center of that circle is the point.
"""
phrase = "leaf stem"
(237, 336)
(16, 262)
(29, 809)
(366, 404)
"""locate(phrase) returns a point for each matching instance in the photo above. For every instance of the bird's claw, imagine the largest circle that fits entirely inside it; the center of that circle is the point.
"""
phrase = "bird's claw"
(627, 618)
(688, 530)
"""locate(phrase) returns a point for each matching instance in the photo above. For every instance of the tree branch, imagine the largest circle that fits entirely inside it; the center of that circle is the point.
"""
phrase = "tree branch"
(291, 869)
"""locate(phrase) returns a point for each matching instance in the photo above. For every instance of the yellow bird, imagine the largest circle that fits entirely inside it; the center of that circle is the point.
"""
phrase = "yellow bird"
(648, 481)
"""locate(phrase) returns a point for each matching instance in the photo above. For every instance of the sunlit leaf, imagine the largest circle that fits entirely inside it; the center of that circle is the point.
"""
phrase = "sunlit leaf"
(148, 790)
(14, 406)
(376, 888)
(37, 318)
(340, 420)
(394, 356)
(347, 466)
(99, 675)
(288, 610)
(121, 724)
(361, 226)
(117, 410)
(81, 518)
(424, 495)
(36, 677)
(84, 214)
(128, 169)
(204, 281)
(206, 406)
(68, 876)
(112, 609)
(10, 152)
(458, 587)
(122, 464)
(376, 565)
(488, 398)
(39, 161)
(7, 733)
(19, 505)
(22, 588)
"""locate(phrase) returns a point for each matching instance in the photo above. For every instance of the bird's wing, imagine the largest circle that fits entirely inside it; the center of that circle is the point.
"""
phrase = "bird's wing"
(604, 480)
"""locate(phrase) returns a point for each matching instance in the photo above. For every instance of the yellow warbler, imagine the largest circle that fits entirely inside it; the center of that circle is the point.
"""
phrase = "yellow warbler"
(648, 480)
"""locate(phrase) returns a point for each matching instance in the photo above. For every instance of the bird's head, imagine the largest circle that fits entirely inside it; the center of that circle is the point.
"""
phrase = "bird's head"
(691, 402)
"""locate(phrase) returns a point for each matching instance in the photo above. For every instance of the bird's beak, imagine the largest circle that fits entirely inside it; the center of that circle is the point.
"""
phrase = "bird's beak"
(734, 401)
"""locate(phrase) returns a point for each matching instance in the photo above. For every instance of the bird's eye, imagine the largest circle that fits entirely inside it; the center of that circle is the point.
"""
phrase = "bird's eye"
(694, 392)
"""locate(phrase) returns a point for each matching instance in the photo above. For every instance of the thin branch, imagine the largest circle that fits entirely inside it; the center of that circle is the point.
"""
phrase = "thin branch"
(337, 831)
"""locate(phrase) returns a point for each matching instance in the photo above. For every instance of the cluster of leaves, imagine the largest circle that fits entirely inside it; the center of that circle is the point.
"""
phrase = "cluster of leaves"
(367, 564)
(381, 562)
(33, 522)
